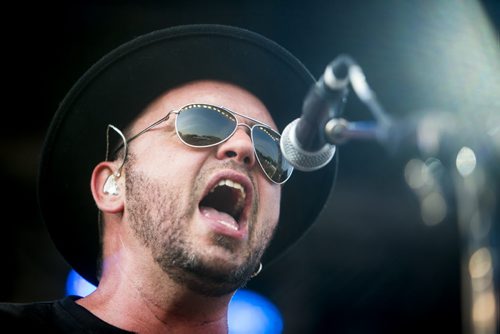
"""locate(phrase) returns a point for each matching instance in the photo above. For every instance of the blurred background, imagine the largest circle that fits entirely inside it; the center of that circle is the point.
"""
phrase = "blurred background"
(383, 257)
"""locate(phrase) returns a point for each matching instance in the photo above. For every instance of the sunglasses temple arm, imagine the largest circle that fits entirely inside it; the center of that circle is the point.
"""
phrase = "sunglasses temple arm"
(161, 120)
(125, 141)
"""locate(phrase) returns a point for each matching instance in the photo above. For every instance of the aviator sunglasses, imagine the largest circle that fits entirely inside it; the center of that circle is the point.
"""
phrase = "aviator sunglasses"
(203, 125)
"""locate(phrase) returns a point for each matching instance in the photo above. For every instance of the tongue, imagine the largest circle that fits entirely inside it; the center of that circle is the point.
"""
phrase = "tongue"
(219, 216)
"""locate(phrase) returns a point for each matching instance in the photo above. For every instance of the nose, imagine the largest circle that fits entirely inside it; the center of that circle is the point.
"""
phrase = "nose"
(239, 147)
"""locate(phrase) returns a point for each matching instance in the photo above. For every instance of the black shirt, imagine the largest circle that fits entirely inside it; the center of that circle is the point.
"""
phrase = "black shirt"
(59, 316)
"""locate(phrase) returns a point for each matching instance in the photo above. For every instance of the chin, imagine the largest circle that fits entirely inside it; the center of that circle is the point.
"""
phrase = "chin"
(212, 276)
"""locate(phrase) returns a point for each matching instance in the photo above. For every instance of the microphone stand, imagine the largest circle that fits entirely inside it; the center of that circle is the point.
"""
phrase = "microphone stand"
(468, 181)
(339, 130)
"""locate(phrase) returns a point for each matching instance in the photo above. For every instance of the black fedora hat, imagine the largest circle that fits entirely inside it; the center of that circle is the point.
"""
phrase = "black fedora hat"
(118, 87)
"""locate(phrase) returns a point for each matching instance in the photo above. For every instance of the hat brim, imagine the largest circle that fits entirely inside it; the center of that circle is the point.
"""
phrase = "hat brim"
(118, 87)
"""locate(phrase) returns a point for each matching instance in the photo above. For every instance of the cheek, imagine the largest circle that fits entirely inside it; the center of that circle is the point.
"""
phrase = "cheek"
(270, 199)
(269, 208)
(172, 160)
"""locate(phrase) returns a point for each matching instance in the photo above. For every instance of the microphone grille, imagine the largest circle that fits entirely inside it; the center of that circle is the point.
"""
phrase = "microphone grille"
(300, 159)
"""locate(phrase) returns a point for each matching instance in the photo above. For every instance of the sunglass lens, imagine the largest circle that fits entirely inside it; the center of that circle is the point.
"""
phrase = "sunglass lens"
(267, 148)
(203, 125)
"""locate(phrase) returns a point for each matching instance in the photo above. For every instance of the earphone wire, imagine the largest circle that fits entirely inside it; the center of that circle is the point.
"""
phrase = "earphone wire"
(125, 147)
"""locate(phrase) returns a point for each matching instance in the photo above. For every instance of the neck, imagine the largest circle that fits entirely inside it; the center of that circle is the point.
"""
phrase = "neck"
(140, 310)
(139, 297)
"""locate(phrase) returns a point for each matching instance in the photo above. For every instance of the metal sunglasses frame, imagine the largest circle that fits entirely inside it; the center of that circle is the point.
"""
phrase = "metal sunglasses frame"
(266, 128)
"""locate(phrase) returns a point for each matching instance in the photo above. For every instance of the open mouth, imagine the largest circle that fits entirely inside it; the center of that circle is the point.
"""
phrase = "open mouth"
(226, 197)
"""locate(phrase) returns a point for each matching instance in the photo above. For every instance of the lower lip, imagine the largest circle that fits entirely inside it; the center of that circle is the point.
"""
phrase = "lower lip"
(213, 220)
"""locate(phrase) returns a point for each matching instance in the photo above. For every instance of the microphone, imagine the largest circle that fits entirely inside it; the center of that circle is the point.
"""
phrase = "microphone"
(304, 142)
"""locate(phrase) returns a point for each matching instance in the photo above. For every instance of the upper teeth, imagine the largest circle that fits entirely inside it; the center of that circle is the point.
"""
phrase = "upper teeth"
(230, 200)
(231, 184)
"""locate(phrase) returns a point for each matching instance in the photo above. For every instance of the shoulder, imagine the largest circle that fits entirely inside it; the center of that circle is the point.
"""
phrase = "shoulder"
(26, 315)
(58, 316)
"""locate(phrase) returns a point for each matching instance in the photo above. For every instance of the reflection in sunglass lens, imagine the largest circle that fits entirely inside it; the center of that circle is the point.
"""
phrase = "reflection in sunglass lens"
(204, 125)
(267, 148)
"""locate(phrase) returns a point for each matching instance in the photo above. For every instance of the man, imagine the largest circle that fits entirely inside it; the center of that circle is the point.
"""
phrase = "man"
(178, 133)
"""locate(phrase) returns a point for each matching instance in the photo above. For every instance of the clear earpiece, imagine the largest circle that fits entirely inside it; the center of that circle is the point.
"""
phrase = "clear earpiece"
(110, 186)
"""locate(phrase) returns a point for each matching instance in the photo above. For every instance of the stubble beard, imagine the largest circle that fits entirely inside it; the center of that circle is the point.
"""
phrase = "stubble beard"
(157, 222)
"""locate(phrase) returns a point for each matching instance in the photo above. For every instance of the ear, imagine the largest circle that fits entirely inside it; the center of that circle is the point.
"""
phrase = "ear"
(108, 188)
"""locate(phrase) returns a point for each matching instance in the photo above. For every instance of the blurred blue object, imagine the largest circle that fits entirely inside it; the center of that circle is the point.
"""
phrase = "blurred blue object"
(251, 313)
(76, 285)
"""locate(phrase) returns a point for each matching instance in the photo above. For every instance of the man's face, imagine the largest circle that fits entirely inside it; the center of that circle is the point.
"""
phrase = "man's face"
(206, 214)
